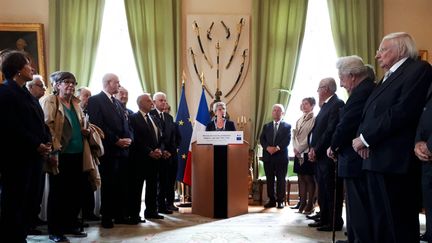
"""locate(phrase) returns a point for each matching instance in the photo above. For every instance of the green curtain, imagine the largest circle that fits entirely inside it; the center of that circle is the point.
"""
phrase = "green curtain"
(75, 27)
(154, 29)
(357, 27)
(277, 35)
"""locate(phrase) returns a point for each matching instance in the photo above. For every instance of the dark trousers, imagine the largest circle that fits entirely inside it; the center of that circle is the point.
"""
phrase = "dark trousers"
(427, 196)
(136, 183)
(114, 188)
(34, 218)
(391, 220)
(152, 174)
(88, 198)
(276, 169)
(163, 183)
(357, 214)
(325, 173)
(172, 175)
(20, 187)
(64, 199)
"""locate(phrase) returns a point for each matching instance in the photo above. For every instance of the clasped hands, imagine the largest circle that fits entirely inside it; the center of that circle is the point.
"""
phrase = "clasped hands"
(272, 149)
(422, 151)
(124, 142)
(360, 148)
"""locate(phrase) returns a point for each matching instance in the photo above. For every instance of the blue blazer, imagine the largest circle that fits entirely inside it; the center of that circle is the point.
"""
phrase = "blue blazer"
(283, 138)
(391, 115)
(349, 162)
(103, 113)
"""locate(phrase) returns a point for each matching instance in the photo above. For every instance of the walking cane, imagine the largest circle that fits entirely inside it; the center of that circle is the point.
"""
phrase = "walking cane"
(334, 201)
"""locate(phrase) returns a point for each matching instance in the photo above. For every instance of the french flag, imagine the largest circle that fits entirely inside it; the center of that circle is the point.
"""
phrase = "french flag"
(202, 119)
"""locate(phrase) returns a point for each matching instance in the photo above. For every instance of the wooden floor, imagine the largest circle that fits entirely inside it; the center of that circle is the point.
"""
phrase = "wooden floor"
(259, 225)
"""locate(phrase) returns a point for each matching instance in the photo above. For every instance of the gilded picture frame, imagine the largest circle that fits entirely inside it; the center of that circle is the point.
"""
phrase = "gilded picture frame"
(423, 55)
(28, 38)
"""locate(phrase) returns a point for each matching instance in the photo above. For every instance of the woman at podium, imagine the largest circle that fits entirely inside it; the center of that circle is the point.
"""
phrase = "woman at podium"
(220, 123)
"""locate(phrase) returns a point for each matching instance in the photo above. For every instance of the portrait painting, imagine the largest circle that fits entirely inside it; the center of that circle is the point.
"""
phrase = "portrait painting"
(27, 38)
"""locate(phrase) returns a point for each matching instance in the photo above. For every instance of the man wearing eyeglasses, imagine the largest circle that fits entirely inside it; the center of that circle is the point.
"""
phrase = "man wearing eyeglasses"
(36, 87)
(386, 140)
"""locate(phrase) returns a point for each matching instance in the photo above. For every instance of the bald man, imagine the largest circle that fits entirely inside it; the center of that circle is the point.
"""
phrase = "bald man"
(107, 112)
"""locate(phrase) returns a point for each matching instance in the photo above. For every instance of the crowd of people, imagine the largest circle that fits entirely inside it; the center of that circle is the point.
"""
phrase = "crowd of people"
(376, 147)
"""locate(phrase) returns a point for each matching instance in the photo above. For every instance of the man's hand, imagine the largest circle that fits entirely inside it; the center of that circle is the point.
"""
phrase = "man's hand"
(422, 152)
(156, 154)
(331, 154)
(272, 149)
(357, 144)
(44, 149)
(312, 155)
(364, 153)
(166, 154)
(124, 142)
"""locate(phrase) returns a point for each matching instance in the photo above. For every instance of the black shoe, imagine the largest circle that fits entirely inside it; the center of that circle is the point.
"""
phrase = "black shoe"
(136, 220)
(172, 208)
(76, 233)
(280, 205)
(153, 216)
(328, 228)
(107, 223)
(296, 206)
(59, 238)
(316, 224)
(423, 237)
(166, 211)
(270, 204)
(34, 231)
(315, 216)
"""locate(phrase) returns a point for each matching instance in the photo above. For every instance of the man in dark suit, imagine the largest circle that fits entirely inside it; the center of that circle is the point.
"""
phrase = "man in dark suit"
(386, 137)
(274, 139)
(353, 75)
(107, 113)
(423, 148)
(25, 144)
(166, 123)
(146, 153)
(319, 141)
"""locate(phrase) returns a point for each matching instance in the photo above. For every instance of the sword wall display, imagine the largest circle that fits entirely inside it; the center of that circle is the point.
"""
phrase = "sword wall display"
(217, 65)
(239, 31)
(240, 72)
(209, 31)
(227, 30)
(196, 28)
(192, 54)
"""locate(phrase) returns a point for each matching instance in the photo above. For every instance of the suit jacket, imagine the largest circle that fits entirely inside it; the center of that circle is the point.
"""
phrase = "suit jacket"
(229, 126)
(113, 122)
(424, 128)
(391, 115)
(145, 140)
(283, 138)
(349, 162)
(324, 127)
(168, 130)
(22, 126)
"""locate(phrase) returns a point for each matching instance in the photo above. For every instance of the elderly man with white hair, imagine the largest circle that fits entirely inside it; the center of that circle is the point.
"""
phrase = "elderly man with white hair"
(386, 138)
(36, 87)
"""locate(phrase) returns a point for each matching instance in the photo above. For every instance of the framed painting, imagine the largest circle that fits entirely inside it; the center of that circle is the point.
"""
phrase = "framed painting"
(28, 38)
(423, 55)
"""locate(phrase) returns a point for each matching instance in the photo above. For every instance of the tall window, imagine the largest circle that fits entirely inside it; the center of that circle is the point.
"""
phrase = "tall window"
(317, 61)
(114, 53)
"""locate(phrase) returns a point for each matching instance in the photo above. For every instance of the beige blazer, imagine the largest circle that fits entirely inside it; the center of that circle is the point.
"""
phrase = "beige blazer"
(300, 133)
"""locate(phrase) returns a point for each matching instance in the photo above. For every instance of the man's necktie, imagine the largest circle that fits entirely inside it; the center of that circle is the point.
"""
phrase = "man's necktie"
(387, 75)
(116, 106)
(151, 127)
(275, 127)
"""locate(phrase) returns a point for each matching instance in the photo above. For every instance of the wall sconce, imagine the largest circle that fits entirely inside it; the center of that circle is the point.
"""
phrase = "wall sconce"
(241, 122)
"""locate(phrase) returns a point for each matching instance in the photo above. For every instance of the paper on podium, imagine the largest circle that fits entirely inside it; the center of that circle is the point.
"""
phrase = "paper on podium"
(220, 137)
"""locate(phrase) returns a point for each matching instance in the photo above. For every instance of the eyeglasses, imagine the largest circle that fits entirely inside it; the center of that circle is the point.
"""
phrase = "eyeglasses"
(322, 87)
(69, 81)
(40, 86)
(382, 49)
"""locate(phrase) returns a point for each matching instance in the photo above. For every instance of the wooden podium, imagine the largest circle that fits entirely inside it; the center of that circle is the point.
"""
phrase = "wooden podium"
(220, 180)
